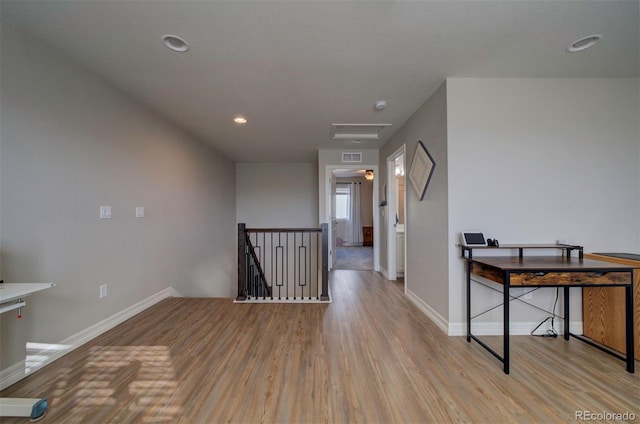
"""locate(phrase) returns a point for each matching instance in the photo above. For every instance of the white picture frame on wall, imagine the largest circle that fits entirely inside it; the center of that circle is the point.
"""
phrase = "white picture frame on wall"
(421, 171)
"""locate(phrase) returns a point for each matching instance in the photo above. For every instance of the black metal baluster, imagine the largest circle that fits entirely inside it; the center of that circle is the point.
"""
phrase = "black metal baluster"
(267, 264)
(309, 267)
(271, 261)
(325, 262)
(249, 275)
(287, 265)
(300, 281)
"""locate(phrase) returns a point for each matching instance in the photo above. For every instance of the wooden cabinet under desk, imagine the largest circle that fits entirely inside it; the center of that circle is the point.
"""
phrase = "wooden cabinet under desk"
(603, 309)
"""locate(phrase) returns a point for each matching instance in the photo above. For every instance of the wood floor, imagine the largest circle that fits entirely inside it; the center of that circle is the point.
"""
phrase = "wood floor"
(354, 257)
(368, 357)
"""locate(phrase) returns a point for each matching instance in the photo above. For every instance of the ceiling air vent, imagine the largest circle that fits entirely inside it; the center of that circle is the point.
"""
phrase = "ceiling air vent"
(351, 157)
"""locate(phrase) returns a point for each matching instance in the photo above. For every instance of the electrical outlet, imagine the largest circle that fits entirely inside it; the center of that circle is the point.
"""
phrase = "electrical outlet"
(139, 212)
(103, 291)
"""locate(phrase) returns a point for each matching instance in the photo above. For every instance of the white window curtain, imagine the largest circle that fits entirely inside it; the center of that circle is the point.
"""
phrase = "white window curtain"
(354, 225)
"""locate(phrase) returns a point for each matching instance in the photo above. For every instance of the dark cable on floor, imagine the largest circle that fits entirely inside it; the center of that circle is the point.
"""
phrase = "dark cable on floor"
(552, 331)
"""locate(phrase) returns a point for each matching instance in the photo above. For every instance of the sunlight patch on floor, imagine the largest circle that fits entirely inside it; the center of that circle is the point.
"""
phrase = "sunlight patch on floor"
(151, 382)
(39, 355)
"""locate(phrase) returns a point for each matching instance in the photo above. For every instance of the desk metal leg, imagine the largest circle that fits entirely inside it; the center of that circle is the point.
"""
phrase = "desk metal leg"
(505, 352)
(628, 300)
(469, 300)
(566, 312)
(505, 357)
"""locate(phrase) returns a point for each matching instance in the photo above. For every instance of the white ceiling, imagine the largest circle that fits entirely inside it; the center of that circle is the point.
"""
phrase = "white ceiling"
(295, 67)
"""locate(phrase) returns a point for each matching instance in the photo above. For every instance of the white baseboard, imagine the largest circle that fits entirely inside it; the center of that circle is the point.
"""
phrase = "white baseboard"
(434, 316)
(384, 272)
(515, 328)
(484, 328)
(17, 372)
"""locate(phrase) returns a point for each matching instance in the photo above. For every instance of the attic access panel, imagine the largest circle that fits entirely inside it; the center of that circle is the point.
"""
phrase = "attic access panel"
(357, 131)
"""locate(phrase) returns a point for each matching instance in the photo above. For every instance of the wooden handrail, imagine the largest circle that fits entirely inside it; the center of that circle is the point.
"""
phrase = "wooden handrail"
(283, 230)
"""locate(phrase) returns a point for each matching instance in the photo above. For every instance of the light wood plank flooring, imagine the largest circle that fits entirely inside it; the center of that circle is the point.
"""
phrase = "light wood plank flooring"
(369, 357)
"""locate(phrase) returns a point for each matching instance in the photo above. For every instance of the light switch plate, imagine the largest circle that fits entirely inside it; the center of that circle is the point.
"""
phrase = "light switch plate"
(105, 212)
(139, 212)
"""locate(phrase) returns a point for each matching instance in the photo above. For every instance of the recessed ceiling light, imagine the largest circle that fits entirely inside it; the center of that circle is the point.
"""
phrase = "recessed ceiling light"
(240, 120)
(175, 43)
(584, 43)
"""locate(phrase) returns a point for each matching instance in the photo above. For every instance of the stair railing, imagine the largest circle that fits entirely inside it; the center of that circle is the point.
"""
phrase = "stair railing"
(283, 263)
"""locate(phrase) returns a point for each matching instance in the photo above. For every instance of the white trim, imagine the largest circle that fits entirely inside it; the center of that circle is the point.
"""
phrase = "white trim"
(483, 328)
(282, 301)
(22, 369)
(515, 328)
(392, 211)
(258, 300)
(384, 272)
(390, 220)
(328, 169)
(431, 313)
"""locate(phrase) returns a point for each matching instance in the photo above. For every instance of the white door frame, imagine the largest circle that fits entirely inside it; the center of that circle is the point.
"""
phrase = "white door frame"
(392, 210)
(376, 220)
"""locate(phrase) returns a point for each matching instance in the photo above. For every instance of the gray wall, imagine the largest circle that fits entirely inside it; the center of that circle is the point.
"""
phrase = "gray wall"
(538, 160)
(426, 229)
(70, 143)
(333, 159)
(277, 195)
(526, 161)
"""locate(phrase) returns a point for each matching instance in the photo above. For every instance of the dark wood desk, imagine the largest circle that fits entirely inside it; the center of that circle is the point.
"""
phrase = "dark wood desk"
(551, 271)
(467, 251)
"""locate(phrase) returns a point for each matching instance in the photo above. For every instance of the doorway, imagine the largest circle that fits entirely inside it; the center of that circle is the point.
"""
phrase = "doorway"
(396, 216)
(352, 211)
(352, 237)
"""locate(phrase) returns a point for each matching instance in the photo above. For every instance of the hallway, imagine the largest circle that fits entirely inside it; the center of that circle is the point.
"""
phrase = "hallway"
(355, 258)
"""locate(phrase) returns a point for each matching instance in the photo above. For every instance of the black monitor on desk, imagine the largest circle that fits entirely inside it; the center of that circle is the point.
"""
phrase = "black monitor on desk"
(473, 239)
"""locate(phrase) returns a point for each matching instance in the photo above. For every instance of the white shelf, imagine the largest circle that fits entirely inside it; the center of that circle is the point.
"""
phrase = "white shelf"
(12, 291)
